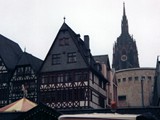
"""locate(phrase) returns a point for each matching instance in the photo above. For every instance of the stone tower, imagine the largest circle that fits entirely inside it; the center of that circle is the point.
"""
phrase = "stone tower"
(125, 54)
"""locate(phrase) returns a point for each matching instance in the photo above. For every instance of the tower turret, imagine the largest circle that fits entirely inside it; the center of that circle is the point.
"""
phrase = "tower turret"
(125, 54)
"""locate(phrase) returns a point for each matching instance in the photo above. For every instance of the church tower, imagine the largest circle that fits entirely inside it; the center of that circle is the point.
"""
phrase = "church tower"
(125, 54)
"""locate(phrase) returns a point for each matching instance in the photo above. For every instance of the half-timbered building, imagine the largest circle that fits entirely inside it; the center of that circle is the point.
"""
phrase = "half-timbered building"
(104, 66)
(10, 53)
(24, 80)
(69, 76)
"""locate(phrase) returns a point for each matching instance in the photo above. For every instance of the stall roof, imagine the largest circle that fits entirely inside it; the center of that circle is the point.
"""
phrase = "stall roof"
(21, 105)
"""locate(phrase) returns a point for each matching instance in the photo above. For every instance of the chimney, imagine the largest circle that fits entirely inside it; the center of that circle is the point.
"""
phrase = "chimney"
(86, 41)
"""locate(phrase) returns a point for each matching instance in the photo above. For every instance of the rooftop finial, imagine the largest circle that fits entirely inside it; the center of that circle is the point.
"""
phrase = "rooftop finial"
(64, 19)
(25, 49)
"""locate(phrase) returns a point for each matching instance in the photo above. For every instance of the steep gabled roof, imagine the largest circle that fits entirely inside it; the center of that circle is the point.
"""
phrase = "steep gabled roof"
(28, 59)
(84, 51)
(82, 48)
(103, 59)
(9, 52)
(77, 40)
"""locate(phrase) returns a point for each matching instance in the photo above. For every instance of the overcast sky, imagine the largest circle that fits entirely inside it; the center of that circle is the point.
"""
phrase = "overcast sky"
(33, 24)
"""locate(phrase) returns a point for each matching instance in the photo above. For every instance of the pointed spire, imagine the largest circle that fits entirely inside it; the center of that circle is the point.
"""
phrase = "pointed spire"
(124, 11)
(124, 21)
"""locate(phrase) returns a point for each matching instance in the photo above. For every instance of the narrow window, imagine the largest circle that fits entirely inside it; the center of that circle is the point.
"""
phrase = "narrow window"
(71, 58)
(64, 41)
(101, 102)
(149, 78)
(56, 59)
(122, 98)
(92, 78)
(20, 71)
(119, 80)
(1, 63)
(136, 78)
(61, 42)
(124, 79)
(27, 70)
(130, 78)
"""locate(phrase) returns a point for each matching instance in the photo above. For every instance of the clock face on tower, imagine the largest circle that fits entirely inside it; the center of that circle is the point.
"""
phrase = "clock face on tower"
(123, 57)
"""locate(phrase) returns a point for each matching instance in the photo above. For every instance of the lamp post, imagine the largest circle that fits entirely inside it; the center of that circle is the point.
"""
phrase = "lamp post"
(142, 96)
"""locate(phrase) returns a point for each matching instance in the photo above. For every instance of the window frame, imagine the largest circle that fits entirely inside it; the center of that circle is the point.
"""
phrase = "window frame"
(56, 59)
(122, 98)
(64, 41)
(71, 57)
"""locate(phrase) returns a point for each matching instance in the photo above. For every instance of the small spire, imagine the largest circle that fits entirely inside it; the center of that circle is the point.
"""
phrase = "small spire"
(124, 20)
(64, 18)
(124, 12)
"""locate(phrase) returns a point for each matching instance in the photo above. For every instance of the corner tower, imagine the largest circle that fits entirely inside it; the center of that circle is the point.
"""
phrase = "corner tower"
(125, 54)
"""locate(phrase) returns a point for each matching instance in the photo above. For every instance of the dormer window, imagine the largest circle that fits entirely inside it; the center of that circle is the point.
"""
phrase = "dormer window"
(64, 41)
(27, 70)
(20, 71)
(99, 67)
(56, 59)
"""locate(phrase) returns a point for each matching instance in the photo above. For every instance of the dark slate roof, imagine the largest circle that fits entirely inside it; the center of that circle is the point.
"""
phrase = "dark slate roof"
(10, 115)
(84, 51)
(9, 52)
(28, 59)
(103, 59)
(80, 45)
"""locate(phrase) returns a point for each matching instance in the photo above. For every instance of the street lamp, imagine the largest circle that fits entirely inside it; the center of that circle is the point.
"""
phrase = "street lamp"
(142, 79)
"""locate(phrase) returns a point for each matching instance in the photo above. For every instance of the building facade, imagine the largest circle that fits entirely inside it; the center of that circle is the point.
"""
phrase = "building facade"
(10, 53)
(113, 87)
(125, 54)
(135, 87)
(24, 81)
(18, 73)
(111, 90)
(70, 78)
